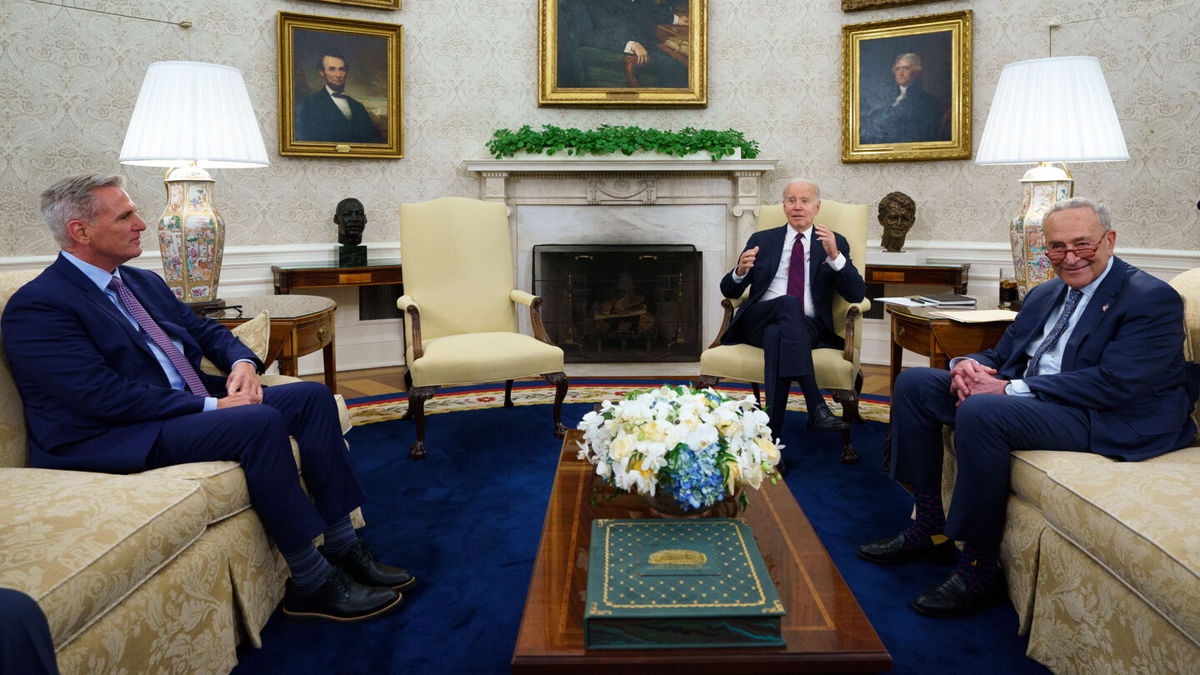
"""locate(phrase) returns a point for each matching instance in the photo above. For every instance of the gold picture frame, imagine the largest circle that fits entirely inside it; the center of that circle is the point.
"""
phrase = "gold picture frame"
(591, 53)
(390, 4)
(364, 58)
(856, 5)
(931, 119)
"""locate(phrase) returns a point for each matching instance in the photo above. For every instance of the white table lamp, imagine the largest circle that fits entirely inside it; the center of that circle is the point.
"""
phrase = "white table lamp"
(1048, 110)
(190, 117)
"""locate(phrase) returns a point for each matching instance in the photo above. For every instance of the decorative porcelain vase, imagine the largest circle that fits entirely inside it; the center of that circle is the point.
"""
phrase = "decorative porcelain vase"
(191, 236)
(1043, 185)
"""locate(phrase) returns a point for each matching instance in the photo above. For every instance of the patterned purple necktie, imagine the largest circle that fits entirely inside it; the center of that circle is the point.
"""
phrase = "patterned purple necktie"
(1035, 363)
(139, 313)
(796, 276)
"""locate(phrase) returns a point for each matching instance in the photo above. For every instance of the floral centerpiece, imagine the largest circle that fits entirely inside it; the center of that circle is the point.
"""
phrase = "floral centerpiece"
(695, 447)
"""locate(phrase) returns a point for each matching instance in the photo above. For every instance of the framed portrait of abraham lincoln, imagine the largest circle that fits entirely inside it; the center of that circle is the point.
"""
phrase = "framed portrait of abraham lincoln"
(623, 53)
(340, 87)
(906, 89)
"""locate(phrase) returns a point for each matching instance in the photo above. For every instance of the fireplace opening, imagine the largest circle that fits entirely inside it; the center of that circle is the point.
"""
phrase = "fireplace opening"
(620, 303)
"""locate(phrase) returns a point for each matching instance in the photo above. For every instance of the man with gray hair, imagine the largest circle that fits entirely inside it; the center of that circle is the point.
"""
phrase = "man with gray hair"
(904, 112)
(792, 272)
(107, 362)
(1092, 363)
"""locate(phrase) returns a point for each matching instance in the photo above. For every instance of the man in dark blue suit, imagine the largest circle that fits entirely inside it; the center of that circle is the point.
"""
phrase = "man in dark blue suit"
(1092, 363)
(106, 360)
(792, 272)
(329, 115)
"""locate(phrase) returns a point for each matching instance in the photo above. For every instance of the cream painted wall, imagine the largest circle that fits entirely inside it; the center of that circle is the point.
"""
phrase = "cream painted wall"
(71, 78)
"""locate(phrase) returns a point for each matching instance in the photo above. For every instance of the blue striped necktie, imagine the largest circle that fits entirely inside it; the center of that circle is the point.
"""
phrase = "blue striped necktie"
(1055, 333)
(156, 333)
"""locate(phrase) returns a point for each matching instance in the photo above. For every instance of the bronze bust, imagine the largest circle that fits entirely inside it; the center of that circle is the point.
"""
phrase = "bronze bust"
(897, 213)
(351, 220)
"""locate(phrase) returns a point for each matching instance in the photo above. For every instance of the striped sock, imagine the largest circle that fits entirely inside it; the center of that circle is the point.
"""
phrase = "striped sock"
(339, 537)
(978, 566)
(930, 521)
(309, 568)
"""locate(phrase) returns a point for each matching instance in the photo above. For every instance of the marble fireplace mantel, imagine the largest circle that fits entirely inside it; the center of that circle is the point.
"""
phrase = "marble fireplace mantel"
(629, 200)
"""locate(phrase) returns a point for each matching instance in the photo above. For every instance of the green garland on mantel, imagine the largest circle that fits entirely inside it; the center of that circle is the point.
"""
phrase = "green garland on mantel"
(609, 139)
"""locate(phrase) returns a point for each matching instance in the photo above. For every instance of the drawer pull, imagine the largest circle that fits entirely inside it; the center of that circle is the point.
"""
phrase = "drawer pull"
(323, 333)
(900, 332)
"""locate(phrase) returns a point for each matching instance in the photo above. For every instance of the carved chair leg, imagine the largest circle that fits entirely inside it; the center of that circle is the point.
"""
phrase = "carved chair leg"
(416, 406)
(408, 386)
(848, 398)
(508, 394)
(757, 395)
(706, 381)
(559, 380)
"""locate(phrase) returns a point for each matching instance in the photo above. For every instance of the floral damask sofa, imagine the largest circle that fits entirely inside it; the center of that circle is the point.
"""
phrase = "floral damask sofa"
(162, 571)
(1102, 557)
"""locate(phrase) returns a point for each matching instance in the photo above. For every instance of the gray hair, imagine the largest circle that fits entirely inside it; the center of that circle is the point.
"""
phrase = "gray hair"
(1101, 211)
(912, 59)
(73, 198)
(794, 181)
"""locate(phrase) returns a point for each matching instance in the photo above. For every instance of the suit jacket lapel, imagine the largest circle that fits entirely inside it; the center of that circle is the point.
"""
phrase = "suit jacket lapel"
(91, 294)
(816, 255)
(1096, 310)
(774, 255)
(1043, 313)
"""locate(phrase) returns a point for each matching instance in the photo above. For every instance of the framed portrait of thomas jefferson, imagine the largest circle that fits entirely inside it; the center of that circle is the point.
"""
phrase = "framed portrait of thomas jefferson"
(339, 87)
(906, 89)
(623, 53)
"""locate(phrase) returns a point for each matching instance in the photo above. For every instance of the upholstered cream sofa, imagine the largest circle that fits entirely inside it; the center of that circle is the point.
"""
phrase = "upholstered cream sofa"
(1102, 558)
(162, 571)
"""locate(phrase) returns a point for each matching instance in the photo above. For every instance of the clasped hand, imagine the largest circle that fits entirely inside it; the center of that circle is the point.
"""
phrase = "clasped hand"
(971, 377)
(243, 387)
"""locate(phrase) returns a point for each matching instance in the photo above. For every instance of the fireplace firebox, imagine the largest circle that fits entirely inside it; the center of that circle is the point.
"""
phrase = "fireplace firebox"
(620, 303)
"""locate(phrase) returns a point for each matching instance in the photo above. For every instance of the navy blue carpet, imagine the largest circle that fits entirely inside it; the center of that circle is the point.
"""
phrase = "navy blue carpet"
(467, 519)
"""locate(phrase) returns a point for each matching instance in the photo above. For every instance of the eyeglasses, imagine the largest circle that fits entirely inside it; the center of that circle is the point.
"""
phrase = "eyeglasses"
(1085, 250)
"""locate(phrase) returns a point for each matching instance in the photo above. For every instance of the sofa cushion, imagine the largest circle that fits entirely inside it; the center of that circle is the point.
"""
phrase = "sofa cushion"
(80, 542)
(1032, 470)
(1138, 519)
(255, 334)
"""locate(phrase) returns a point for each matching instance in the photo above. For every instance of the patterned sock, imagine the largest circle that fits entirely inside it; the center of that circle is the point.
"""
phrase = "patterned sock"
(309, 568)
(930, 521)
(339, 537)
(978, 566)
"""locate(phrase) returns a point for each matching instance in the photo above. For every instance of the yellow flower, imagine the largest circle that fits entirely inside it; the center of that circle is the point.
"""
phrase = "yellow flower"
(769, 450)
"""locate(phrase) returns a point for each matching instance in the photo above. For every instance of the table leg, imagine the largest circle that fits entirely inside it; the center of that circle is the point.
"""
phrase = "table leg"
(287, 365)
(330, 367)
(896, 360)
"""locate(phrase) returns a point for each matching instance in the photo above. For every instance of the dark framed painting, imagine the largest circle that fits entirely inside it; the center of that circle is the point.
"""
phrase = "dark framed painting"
(906, 89)
(340, 87)
(623, 53)
(856, 5)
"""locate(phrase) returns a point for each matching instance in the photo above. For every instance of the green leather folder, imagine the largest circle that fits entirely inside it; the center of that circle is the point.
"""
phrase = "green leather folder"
(665, 583)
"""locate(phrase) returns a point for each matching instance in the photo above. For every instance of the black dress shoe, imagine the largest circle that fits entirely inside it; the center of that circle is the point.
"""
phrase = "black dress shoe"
(894, 552)
(340, 599)
(361, 564)
(823, 419)
(951, 598)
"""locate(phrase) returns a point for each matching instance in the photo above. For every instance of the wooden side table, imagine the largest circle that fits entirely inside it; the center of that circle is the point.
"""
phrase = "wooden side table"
(327, 275)
(941, 339)
(931, 275)
(300, 324)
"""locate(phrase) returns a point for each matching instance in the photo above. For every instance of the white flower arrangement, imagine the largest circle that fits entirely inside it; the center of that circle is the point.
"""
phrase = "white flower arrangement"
(696, 446)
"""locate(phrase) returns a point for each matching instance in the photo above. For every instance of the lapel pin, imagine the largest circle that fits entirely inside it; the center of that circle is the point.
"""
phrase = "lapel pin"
(1104, 308)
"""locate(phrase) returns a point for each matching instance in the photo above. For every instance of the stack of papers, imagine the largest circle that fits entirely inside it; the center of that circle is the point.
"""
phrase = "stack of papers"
(946, 299)
(977, 315)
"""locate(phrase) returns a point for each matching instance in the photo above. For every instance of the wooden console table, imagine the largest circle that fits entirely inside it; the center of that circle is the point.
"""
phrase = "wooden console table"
(300, 324)
(327, 275)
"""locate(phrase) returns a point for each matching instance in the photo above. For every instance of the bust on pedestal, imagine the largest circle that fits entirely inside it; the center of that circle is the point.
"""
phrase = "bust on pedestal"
(351, 219)
(897, 213)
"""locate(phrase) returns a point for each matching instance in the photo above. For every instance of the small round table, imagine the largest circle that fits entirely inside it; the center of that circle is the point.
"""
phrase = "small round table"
(300, 324)
(917, 329)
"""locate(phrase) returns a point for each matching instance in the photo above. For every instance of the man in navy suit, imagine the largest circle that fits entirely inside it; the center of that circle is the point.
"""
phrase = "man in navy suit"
(329, 115)
(106, 360)
(1092, 363)
(792, 272)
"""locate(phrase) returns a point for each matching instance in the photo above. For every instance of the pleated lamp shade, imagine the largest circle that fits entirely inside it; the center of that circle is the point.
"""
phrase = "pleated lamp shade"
(1052, 110)
(193, 112)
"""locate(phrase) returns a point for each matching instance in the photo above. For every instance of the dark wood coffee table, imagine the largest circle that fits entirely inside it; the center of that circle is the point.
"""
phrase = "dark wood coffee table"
(825, 629)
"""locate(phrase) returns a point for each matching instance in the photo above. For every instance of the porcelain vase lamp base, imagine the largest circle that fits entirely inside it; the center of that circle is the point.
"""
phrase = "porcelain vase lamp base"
(191, 237)
(1042, 186)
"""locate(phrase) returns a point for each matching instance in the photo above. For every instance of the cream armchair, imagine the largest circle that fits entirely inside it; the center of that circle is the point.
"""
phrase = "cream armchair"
(836, 370)
(459, 305)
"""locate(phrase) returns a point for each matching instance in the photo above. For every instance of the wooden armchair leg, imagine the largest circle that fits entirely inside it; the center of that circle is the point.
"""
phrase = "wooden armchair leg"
(757, 394)
(416, 408)
(508, 394)
(706, 381)
(408, 386)
(848, 398)
(559, 380)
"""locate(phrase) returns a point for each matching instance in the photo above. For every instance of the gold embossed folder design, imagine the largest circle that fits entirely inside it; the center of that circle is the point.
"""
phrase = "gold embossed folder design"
(663, 583)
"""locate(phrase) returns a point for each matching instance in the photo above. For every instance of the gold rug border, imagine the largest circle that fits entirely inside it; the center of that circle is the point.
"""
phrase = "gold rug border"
(368, 413)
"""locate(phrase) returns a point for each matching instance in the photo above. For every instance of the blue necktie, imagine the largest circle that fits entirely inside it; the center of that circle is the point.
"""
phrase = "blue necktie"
(1055, 333)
